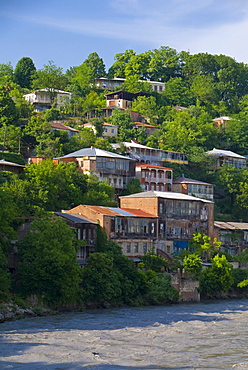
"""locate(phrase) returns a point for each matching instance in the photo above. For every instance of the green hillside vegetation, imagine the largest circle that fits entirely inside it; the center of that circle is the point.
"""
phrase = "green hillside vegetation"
(205, 85)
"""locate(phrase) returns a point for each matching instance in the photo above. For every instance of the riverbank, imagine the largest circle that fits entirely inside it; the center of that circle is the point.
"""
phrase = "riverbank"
(11, 312)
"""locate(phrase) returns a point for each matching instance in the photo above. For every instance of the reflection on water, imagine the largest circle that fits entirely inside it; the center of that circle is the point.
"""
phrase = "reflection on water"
(186, 336)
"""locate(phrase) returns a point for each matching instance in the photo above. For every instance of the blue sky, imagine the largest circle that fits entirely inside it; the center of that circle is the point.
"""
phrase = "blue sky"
(67, 31)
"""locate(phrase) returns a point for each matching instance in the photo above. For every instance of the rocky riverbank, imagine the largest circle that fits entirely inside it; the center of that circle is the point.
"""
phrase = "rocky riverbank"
(11, 311)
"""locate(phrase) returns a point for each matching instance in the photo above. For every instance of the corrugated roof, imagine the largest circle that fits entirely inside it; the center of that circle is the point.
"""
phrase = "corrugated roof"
(185, 180)
(167, 195)
(74, 217)
(60, 126)
(231, 225)
(223, 153)
(2, 161)
(93, 152)
(138, 212)
(145, 165)
(111, 211)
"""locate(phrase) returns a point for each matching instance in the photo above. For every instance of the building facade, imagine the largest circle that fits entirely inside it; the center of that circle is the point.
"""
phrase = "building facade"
(196, 188)
(44, 98)
(226, 157)
(152, 177)
(116, 169)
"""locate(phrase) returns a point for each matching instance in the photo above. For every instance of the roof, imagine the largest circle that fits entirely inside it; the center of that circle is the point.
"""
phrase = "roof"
(145, 125)
(76, 218)
(132, 144)
(224, 153)
(48, 90)
(166, 195)
(183, 180)
(223, 118)
(93, 152)
(145, 165)
(231, 225)
(60, 126)
(104, 124)
(114, 211)
(2, 161)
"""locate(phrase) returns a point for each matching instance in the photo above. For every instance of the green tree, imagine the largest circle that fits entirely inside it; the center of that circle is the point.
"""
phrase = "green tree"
(6, 74)
(8, 111)
(218, 277)
(147, 107)
(24, 72)
(50, 77)
(151, 261)
(126, 131)
(203, 246)
(164, 63)
(118, 68)
(134, 84)
(137, 65)
(96, 65)
(48, 265)
(193, 264)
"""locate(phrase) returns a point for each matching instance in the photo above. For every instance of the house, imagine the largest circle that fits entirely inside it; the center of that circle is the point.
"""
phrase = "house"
(112, 83)
(43, 99)
(149, 128)
(226, 157)
(179, 216)
(233, 236)
(134, 230)
(109, 130)
(154, 177)
(107, 166)
(145, 154)
(196, 188)
(11, 167)
(222, 121)
(85, 230)
(58, 126)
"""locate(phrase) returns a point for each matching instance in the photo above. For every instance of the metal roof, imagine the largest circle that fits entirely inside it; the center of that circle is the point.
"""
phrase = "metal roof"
(231, 225)
(166, 195)
(185, 180)
(224, 153)
(76, 218)
(2, 161)
(93, 152)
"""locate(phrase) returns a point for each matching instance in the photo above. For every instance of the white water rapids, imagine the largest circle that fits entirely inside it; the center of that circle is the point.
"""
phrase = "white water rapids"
(186, 336)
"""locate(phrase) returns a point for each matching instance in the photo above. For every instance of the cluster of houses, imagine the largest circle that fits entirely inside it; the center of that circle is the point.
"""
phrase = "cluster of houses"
(166, 214)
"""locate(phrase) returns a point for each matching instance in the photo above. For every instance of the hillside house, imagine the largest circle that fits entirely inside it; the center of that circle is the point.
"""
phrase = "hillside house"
(196, 188)
(58, 126)
(233, 236)
(85, 231)
(226, 157)
(11, 167)
(112, 83)
(148, 155)
(179, 216)
(43, 99)
(107, 166)
(152, 177)
(109, 130)
(222, 121)
(133, 229)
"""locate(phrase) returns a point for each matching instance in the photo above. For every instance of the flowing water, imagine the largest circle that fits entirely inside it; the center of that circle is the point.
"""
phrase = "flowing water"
(211, 335)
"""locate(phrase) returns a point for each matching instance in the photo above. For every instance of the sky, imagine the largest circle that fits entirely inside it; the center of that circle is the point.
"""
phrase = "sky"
(67, 31)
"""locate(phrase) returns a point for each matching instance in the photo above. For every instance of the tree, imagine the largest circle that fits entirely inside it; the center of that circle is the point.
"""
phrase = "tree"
(126, 131)
(193, 264)
(147, 107)
(8, 111)
(203, 246)
(138, 65)
(51, 77)
(218, 277)
(96, 65)
(48, 265)
(164, 63)
(6, 74)
(134, 84)
(24, 72)
(151, 261)
(118, 68)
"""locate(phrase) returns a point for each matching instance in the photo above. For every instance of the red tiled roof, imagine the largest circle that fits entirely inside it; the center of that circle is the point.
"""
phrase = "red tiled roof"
(138, 212)
(153, 166)
(145, 125)
(60, 126)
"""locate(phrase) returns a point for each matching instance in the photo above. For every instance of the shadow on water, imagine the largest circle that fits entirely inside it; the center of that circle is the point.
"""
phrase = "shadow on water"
(109, 320)
(44, 366)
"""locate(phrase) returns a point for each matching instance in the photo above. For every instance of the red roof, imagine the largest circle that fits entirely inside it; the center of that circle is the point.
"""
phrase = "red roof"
(153, 166)
(138, 212)
(60, 126)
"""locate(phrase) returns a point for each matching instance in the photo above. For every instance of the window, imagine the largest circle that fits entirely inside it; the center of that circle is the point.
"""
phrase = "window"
(112, 130)
(144, 247)
(136, 247)
(128, 248)
(160, 207)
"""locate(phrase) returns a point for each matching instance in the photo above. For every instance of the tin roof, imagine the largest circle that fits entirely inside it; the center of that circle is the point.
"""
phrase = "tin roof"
(185, 180)
(93, 152)
(112, 211)
(224, 153)
(145, 165)
(2, 161)
(166, 195)
(78, 219)
(231, 225)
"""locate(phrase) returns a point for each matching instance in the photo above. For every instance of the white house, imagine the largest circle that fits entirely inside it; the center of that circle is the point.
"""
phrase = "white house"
(44, 98)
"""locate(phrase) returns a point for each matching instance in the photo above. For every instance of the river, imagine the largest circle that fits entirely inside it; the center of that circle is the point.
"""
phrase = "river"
(210, 335)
